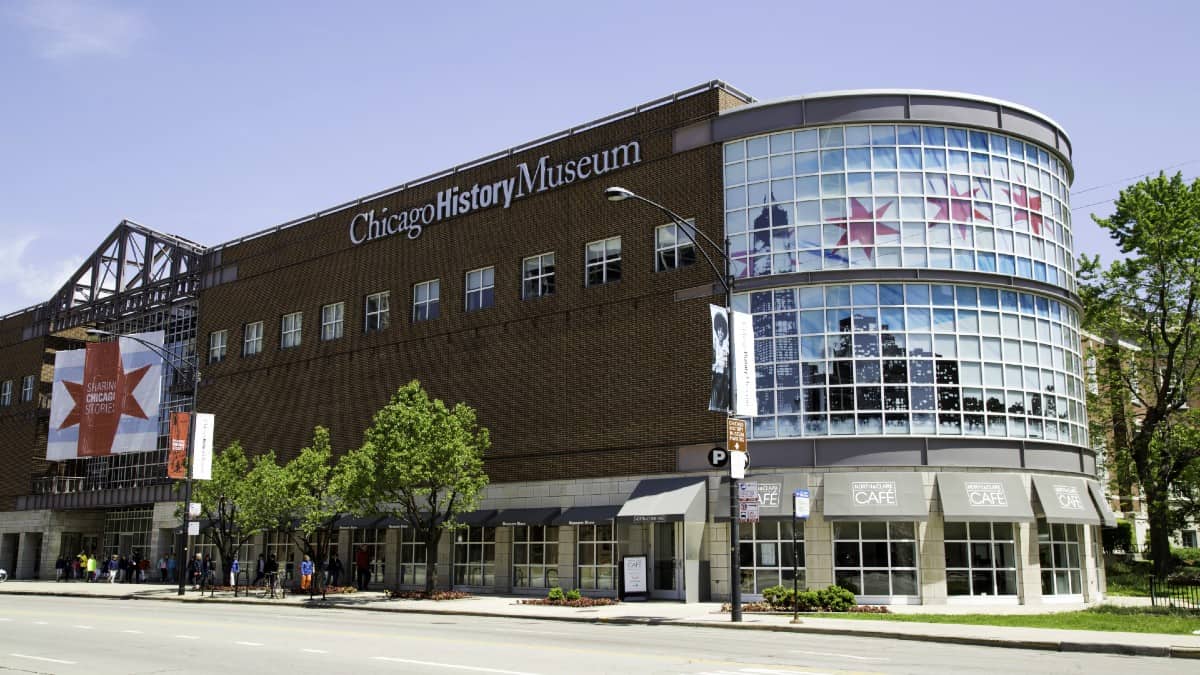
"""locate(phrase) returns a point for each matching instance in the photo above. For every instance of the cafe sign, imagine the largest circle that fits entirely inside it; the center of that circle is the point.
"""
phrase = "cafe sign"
(986, 493)
(877, 493)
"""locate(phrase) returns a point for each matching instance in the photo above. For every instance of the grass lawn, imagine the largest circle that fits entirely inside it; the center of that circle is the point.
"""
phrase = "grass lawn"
(1105, 617)
(1128, 578)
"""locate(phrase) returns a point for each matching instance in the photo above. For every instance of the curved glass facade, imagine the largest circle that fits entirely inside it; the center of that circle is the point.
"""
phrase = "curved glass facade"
(890, 196)
(915, 359)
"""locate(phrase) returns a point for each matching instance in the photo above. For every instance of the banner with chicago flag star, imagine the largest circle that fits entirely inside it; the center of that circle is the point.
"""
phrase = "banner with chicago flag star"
(106, 399)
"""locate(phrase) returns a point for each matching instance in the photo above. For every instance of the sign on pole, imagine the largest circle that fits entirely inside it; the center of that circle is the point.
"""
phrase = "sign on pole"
(748, 512)
(801, 504)
(194, 529)
(718, 457)
(203, 456)
(181, 427)
(194, 509)
(735, 434)
(745, 398)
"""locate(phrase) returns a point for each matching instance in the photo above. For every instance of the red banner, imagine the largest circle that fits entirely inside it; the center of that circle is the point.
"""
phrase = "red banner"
(177, 457)
(105, 394)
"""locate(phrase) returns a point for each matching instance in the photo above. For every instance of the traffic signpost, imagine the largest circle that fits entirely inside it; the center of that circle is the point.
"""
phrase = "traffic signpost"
(800, 512)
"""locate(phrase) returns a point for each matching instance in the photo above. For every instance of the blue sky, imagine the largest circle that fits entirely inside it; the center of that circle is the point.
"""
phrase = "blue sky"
(214, 120)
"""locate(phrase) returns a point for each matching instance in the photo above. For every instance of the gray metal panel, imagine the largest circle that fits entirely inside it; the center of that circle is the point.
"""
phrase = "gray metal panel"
(874, 496)
(857, 109)
(1107, 517)
(787, 115)
(869, 452)
(951, 111)
(587, 515)
(1065, 500)
(995, 456)
(666, 500)
(984, 497)
(1042, 458)
(1025, 125)
(774, 493)
(692, 136)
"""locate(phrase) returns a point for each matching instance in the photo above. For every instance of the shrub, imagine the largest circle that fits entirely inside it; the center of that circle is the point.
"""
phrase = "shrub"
(556, 594)
(778, 596)
(573, 595)
(808, 601)
(1118, 539)
(836, 599)
(1187, 556)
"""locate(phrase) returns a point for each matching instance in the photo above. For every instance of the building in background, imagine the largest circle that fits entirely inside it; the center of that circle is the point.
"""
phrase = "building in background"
(907, 260)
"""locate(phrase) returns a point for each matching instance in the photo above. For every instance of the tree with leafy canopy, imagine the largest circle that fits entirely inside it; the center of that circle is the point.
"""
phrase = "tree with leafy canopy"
(1151, 297)
(313, 506)
(422, 463)
(244, 497)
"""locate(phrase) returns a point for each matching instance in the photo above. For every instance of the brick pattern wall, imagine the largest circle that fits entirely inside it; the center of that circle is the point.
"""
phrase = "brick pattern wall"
(588, 382)
(20, 455)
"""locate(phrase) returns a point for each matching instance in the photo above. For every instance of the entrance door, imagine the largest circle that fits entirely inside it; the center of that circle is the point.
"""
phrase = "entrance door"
(125, 544)
(667, 556)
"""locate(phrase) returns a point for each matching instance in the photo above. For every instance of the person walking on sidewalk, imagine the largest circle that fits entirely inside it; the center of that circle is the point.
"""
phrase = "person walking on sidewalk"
(362, 567)
(306, 572)
(171, 568)
(260, 570)
(335, 570)
(162, 569)
(113, 566)
(60, 569)
(91, 567)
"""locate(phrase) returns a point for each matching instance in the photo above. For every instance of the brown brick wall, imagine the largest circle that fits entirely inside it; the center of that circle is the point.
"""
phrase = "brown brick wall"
(588, 382)
(19, 454)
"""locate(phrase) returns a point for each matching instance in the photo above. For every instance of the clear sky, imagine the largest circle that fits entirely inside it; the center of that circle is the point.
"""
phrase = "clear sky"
(213, 120)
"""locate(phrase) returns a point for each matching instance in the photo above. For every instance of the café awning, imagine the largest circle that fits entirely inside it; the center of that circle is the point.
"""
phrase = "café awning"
(774, 494)
(587, 515)
(665, 500)
(874, 496)
(521, 517)
(1107, 517)
(984, 497)
(1065, 500)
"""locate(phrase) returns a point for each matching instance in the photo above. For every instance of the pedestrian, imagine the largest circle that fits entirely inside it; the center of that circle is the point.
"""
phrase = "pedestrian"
(74, 568)
(113, 566)
(171, 568)
(60, 569)
(162, 569)
(91, 567)
(260, 570)
(123, 567)
(306, 572)
(362, 567)
(335, 570)
(143, 568)
(196, 571)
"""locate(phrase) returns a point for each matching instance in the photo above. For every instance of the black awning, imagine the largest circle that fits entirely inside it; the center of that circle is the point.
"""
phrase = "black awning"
(521, 517)
(587, 515)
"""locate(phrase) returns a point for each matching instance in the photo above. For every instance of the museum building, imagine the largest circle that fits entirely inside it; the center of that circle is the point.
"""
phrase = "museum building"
(907, 261)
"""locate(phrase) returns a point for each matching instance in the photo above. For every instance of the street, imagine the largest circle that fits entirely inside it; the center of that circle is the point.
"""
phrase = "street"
(73, 635)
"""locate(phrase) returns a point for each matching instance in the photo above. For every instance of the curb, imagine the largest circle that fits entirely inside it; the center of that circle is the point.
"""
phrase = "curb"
(1041, 645)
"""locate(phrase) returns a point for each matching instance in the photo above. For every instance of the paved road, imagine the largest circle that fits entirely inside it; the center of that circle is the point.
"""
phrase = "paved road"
(80, 635)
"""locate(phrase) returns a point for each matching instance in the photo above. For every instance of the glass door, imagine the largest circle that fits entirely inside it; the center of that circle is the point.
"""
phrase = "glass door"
(667, 561)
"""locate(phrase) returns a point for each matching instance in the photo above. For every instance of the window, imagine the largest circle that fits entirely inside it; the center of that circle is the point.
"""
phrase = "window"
(475, 556)
(218, 344)
(981, 559)
(377, 311)
(412, 558)
(766, 555)
(253, 339)
(597, 557)
(373, 539)
(876, 558)
(332, 318)
(535, 556)
(1058, 552)
(674, 246)
(27, 389)
(289, 330)
(481, 285)
(425, 300)
(537, 276)
(603, 261)
(6, 392)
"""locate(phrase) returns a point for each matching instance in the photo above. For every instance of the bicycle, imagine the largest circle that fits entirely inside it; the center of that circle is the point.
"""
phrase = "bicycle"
(273, 587)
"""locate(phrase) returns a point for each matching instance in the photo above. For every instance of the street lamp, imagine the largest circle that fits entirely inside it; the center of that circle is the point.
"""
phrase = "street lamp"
(169, 358)
(618, 194)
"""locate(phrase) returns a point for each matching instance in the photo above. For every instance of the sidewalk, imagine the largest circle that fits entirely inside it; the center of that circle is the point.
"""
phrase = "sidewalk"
(703, 614)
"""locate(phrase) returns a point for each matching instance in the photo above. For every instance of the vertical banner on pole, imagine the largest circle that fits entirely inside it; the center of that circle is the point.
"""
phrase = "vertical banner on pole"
(203, 456)
(745, 398)
(718, 399)
(177, 456)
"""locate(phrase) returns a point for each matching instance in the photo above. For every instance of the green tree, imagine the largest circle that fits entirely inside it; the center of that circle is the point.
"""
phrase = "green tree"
(243, 498)
(420, 462)
(1151, 297)
(312, 504)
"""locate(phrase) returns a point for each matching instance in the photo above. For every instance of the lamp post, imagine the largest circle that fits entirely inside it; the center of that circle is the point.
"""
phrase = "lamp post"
(617, 194)
(169, 359)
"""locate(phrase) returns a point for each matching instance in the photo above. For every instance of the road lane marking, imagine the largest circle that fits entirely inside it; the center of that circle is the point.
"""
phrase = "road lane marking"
(4, 619)
(314, 651)
(41, 623)
(188, 637)
(82, 627)
(840, 656)
(456, 666)
(249, 644)
(772, 671)
(530, 632)
(43, 658)
(134, 632)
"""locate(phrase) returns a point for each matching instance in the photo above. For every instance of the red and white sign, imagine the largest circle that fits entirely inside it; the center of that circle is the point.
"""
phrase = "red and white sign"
(106, 399)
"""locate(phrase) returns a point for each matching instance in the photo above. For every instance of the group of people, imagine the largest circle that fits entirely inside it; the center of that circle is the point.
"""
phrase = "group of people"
(114, 569)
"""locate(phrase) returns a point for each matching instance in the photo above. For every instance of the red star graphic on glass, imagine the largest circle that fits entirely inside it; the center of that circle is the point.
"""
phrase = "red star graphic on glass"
(957, 207)
(102, 398)
(862, 225)
(1022, 199)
